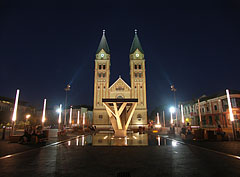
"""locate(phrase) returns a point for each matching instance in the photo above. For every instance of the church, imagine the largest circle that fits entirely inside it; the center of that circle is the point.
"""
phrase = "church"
(119, 89)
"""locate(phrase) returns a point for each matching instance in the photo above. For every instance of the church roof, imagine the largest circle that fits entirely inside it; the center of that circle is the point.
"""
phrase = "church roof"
(136, 44)
(119, 80)
(103, 44)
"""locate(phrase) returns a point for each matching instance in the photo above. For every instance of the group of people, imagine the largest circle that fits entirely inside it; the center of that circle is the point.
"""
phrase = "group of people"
(186, 130)
(29, 132)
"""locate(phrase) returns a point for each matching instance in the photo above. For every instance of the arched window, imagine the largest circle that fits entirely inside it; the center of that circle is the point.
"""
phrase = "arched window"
(119, 97)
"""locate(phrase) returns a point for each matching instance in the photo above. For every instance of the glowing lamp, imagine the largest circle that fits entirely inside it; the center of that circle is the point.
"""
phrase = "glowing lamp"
(182, 113)
(229, 106)
(44, 110)
(70, 118)
(172, 109)
(60, 114)
(14, 117)
(78, 117)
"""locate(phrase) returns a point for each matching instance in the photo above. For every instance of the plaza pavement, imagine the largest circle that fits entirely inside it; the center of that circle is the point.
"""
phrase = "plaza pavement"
(68, 160)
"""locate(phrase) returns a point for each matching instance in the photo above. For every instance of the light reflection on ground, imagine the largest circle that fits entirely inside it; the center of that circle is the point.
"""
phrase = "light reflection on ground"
(108, 139)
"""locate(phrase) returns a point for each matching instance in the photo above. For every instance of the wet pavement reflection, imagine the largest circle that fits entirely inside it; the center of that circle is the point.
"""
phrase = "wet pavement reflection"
(108, 139)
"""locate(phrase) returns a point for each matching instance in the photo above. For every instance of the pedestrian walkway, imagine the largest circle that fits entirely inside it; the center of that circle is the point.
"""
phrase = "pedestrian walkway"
(7, 148)
(229, 147)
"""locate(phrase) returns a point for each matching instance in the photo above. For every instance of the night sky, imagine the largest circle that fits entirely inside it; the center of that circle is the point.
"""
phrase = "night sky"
(44, 45)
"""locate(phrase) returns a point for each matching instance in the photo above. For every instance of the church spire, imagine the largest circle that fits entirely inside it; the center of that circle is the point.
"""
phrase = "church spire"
(103, 44)
(136, 44)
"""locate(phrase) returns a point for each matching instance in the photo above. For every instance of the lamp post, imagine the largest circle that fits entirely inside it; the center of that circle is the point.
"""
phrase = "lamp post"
(231, 114)
(14, 117)
(172, 110)
(65, 118)
(173, 89)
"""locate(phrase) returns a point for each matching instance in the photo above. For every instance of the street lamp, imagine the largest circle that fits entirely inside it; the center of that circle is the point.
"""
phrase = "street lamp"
(65, 118)
(173, 89)
(27, 117)
(172, 110)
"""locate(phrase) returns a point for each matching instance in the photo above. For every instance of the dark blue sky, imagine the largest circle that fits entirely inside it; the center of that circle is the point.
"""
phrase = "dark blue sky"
(46, 44)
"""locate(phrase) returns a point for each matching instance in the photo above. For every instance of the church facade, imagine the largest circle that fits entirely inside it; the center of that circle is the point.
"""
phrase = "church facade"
(119, 89)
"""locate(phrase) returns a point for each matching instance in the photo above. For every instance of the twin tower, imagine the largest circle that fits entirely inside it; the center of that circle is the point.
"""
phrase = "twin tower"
(119, 89)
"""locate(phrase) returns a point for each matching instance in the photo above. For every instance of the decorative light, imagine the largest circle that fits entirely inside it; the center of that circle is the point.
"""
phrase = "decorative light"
(14, 117)
(70, 118)
(78, 117)
(182, 113)
(229, 105)
(60, 114)
(84, 118)
(44, 110)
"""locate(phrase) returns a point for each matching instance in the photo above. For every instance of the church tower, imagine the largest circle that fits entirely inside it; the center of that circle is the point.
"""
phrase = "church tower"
(101, 81)
(138, 81)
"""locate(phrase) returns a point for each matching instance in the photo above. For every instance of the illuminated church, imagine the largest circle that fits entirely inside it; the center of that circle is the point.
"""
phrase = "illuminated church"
(119, 89)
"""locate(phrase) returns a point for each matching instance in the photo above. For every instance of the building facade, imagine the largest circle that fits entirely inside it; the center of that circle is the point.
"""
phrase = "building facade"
(119, 89)
(7, 106)
(213, 110)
